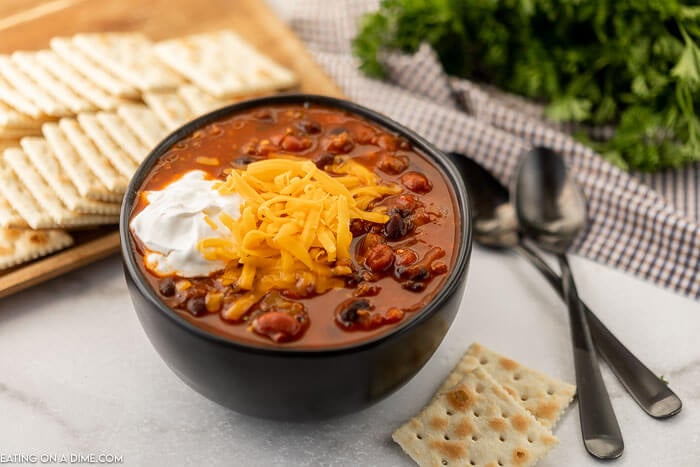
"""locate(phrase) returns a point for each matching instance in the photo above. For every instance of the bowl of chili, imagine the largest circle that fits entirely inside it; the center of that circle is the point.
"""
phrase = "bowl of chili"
(332, 283)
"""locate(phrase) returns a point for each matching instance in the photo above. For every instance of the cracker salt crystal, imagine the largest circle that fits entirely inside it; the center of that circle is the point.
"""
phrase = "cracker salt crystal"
(143, 122)
(170, 108)
(18, 246)
(224, 65)
(475, 422)
(30, 90)
(130, 57)
(68, 75)
(545, 397)
(30, 65)
(44, 162)
(97, 75)
(123, 136)
(106, 145)
(98, 163)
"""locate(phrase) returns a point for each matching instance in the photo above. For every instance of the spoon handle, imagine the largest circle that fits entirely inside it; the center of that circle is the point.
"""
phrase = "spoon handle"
(601, 432)
(648, 390)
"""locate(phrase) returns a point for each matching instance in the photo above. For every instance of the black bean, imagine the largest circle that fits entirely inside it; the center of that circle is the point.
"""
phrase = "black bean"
(413, 286)
(167, 287)
(397, 226)
(323, 159)
(347, 312)
(244, 160)
(196, 306)
(308, 127)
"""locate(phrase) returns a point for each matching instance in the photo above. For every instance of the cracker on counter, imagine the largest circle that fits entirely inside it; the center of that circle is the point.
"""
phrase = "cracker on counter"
(199, 101)
(224, 65)
(143, 122)
(106, 145)
(44, 162)
(545, 397)
(68, 51)
(78, 171)
(13, 99)
(68, 75)
(30, 90)
(21, 245)
(8, 215)
(130, 57)
(170, 108)
(123, 136)
(475, 422)
(30, 65)
(98, 163)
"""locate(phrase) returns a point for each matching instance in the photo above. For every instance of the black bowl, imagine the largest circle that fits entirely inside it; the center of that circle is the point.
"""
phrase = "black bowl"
(296, 384)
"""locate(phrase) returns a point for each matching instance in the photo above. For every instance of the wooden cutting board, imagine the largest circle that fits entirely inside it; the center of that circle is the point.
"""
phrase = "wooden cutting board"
(30, 24)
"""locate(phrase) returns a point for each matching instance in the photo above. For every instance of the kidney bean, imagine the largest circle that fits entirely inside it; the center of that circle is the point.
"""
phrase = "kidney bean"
(405, 257)
(413, 286)
(405, 203)
(388, 142)
(196, 306)
(167, 287)
(379, 258)
(295, 144)
(277, 325)
(438, 268)
(340, 143)
(363, 134)
(416, 182)
(368, 242)
(263, 114)
(392, 165)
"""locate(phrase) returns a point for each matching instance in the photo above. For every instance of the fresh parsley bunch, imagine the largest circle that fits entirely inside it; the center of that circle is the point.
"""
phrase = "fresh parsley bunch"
(634, 64)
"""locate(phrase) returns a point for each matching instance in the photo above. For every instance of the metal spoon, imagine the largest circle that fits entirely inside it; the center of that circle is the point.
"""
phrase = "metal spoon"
(552, 211)
(495, 226)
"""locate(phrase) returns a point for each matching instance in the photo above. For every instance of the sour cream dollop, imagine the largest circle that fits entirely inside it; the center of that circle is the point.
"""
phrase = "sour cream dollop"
(173, 222)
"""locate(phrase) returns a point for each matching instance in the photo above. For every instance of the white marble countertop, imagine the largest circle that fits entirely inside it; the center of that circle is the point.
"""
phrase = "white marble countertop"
(78, 375)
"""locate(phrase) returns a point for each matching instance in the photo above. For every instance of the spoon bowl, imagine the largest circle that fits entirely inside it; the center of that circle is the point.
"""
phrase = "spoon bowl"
(549, 205)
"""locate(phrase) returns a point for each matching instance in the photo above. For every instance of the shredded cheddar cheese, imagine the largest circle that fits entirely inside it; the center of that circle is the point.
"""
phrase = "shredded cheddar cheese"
(294, 228)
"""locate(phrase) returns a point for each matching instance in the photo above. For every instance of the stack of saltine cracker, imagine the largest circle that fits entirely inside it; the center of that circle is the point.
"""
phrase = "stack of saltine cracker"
(490, 411)
(76, 120)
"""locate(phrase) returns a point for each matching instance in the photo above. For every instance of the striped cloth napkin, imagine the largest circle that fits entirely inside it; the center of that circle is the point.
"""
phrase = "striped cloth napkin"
(645, 224)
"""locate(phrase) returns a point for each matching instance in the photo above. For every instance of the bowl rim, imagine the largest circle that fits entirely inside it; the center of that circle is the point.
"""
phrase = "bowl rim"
(437, 157)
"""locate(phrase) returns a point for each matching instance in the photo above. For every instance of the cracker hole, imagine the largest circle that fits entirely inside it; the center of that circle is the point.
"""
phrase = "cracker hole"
(449, 414)
(444, 462)
(447, 438)
(475, 438)
(550, 392)
(530, 440)
(504, 415)
(501, 438)
(472, 462)
(517, 376)
(484, 360)
(523, 398)
(500, 462)
(419, 436)
(479, 388)
(477, 414)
